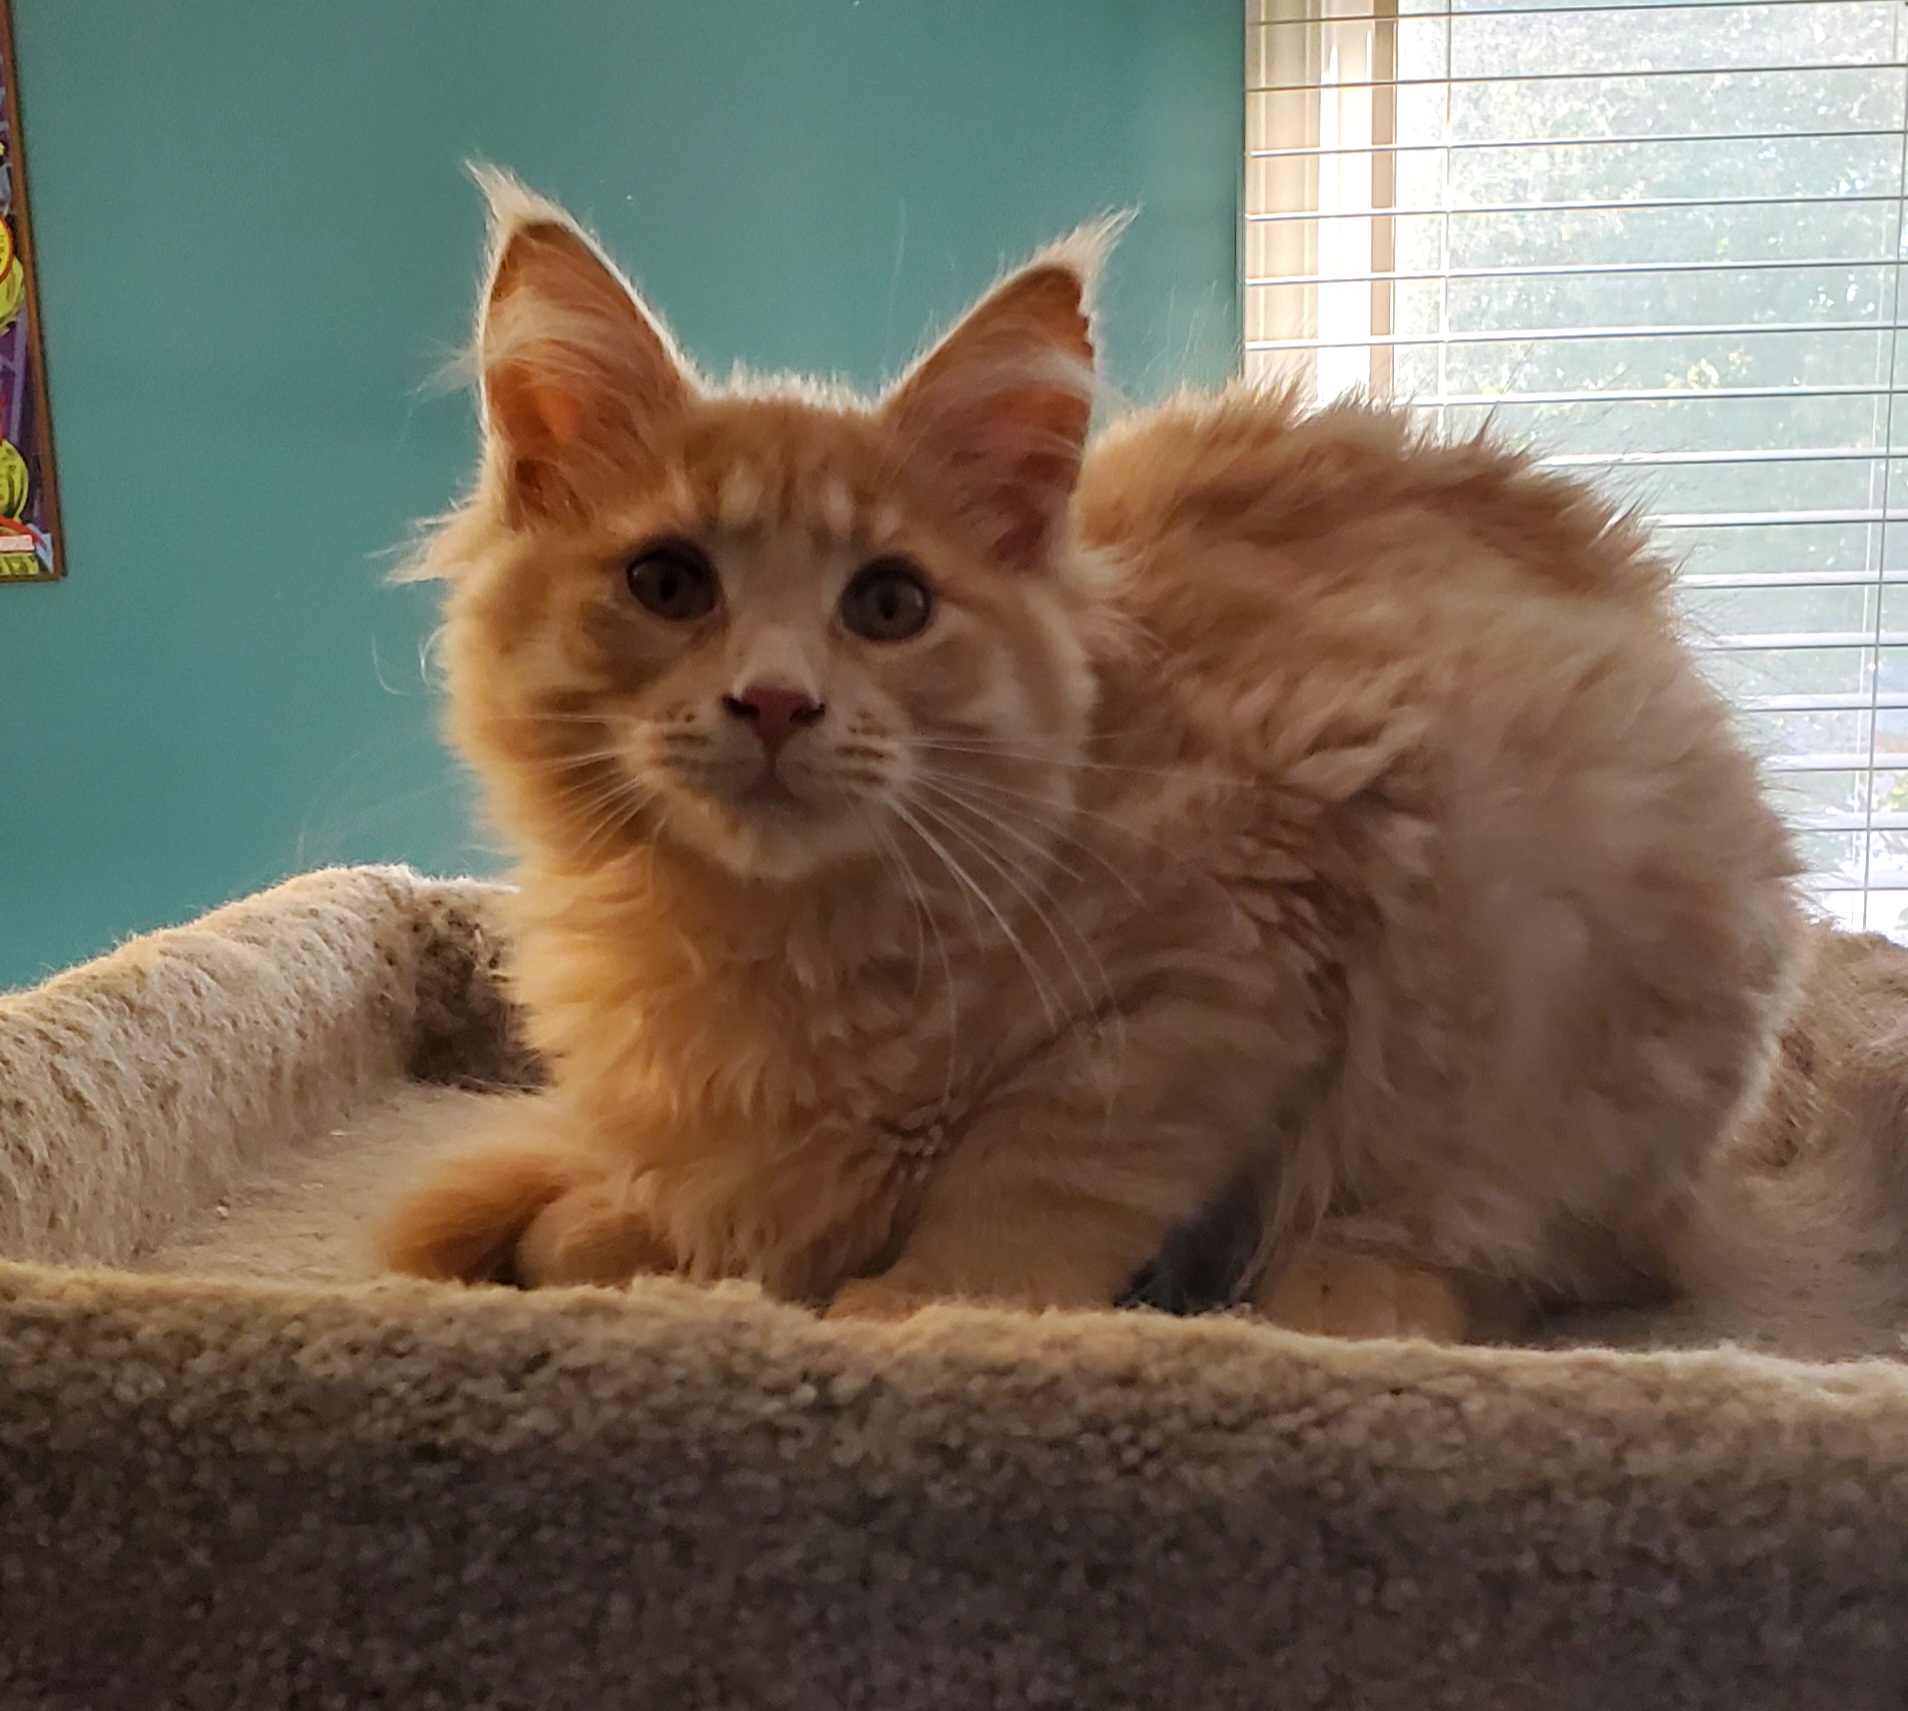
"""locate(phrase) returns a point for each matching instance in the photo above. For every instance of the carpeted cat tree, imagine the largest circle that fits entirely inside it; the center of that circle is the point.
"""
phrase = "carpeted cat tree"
(237, 1470)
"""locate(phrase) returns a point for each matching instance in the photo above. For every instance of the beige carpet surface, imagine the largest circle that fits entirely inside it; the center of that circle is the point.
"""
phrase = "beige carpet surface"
(238, 1470)
(309, 1213)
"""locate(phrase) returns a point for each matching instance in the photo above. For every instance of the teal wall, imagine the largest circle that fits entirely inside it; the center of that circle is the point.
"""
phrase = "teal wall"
(256, 247)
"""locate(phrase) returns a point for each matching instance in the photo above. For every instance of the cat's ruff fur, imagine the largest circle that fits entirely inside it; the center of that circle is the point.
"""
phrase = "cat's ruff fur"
(1271, 793)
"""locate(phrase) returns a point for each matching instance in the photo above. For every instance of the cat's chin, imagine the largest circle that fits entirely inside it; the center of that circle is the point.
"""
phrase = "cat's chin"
(770, 836)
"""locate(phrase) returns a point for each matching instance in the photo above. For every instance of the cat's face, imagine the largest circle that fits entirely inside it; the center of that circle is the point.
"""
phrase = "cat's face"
(782, 631)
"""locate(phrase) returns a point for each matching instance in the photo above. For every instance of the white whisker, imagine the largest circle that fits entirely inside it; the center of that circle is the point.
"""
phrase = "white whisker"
(596, 814)
(1098, 1006)
(1043, 907)
(1047, 853)
(973, 886)
(924, 914)
(1088, 815)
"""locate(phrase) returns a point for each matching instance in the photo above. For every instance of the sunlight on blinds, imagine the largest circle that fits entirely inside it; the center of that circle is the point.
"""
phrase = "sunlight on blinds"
(1661, 243)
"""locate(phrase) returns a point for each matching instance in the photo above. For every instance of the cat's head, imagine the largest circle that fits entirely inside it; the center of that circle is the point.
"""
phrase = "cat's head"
(774, 625)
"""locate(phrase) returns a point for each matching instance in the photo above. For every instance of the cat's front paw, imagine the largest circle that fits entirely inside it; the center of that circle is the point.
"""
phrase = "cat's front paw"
(465, 1223)
(1334, 1291)
(589, 1235)
(875, 1298)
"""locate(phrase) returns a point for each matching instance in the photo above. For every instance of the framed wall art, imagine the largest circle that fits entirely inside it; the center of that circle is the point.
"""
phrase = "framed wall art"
(29, 496)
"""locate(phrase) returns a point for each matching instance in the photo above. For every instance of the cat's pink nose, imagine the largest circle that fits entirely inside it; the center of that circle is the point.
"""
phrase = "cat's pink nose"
(774, 714)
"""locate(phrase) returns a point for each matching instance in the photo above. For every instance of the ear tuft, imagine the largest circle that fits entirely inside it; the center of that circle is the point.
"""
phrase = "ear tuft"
(578, 376)
(511, 203)
(1085, 251)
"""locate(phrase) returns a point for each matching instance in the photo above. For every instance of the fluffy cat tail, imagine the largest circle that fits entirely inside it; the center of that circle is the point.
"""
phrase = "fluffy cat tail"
(464, 1223)
(1800, 1237)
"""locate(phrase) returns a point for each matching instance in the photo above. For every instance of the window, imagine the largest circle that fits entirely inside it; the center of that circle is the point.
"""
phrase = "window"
(1662, 243)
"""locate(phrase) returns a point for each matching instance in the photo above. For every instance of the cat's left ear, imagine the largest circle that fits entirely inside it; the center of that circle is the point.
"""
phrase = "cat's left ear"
(994, 418)
(580, 380)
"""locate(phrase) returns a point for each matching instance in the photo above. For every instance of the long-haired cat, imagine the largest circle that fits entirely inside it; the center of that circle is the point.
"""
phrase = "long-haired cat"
(953, 850)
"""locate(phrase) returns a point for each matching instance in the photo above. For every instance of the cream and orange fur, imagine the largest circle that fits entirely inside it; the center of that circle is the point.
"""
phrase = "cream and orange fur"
(1270, 794)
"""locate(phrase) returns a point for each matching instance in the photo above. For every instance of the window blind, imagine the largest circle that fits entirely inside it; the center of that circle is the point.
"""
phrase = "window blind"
(1662, 243)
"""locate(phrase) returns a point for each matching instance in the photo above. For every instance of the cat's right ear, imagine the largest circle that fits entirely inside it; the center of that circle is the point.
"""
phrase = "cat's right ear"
(580, 381)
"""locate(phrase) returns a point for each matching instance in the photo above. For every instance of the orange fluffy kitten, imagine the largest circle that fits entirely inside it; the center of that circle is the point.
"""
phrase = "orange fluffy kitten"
(953, 851)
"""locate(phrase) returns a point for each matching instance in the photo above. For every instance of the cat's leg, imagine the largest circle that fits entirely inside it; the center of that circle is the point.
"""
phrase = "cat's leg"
(996, 1231)
(526, 1216)
(463, 1224)
(1336, 1288)
(995, 1236)
(595, 1233)
(1067, 1182)
(528, 1207)
(1338, 1291)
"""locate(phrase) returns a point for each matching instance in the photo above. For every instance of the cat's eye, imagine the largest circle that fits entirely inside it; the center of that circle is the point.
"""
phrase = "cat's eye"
(675, 580)
(888, 601)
